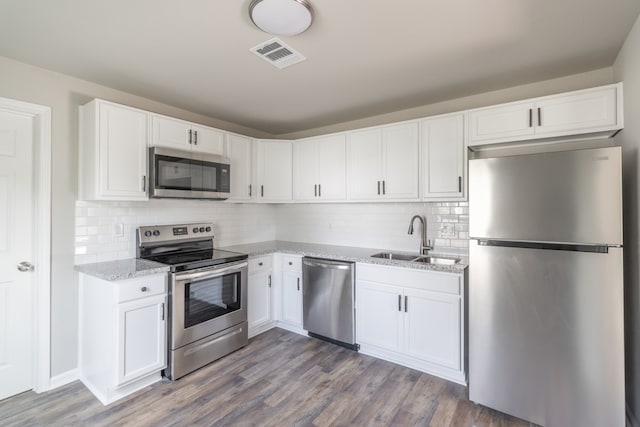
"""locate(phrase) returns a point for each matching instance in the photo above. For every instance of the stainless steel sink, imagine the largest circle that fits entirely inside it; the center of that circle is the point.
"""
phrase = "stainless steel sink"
(437, 260)
(417, 258)
(390, 255)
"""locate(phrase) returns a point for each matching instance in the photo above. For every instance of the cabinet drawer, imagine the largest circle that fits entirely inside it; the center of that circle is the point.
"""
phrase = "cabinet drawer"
(259, 264)
(141, 287)
(292, 262)
(435, 281)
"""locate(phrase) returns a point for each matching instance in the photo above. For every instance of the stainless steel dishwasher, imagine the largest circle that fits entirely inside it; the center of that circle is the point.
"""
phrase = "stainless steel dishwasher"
(328, 297)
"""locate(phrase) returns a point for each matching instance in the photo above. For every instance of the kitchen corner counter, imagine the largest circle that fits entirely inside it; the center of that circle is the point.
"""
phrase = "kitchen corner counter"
(342, 253)
(122, 269)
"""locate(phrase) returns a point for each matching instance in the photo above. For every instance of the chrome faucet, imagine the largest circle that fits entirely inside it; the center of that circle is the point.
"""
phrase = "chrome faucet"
(425, 245)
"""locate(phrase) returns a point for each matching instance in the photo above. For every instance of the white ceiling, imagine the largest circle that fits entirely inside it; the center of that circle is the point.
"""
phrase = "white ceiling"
(365, 57)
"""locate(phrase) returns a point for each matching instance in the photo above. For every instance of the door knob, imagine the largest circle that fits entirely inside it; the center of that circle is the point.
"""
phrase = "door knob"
(25, 266)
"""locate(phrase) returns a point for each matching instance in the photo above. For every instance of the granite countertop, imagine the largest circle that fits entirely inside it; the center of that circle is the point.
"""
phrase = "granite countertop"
(344, 253)
(122, 269)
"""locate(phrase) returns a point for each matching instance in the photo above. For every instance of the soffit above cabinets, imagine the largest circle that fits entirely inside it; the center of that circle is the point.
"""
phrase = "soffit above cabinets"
(363, 58)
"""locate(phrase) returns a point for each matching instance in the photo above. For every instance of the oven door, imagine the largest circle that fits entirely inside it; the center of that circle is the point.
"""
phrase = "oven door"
(207, 301)
(186, 174)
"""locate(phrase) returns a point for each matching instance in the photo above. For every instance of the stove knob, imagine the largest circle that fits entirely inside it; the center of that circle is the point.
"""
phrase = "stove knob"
(147, 233)
(208, 229)
(195, 229)
(201, 229)
(156, 233)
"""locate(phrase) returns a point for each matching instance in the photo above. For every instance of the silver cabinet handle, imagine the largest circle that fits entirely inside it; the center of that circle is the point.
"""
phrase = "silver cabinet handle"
(144, 289)
(378, 188)
(260, 264)
(290, 263)
(195, 137)
(530, 117)
(249, 190)
(460, 184)
(315, 190)
(269, 280)
(190, 136)
(298, 283)
(384, 187)
(319, 190)
(25, 266)
(399, 302)
(262, 191)
(144, 183)
(162, 314)
(406, 300)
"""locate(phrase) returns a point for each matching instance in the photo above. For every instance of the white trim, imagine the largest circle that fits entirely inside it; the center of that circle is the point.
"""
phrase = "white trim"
(42, 239)
(64, 378)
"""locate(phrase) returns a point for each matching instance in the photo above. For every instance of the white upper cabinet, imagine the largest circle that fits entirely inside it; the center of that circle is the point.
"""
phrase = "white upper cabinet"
(174, 133)
(113, 152)
(443, 157)
(596, 111)
(273, 166)
(382, 163)
(238, 150)
(319, 168)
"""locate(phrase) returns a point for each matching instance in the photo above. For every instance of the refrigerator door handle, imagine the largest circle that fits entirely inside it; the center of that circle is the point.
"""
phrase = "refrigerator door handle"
(572, 247)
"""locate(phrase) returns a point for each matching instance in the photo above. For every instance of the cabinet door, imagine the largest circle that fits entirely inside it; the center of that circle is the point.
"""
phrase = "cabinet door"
(123, 153)
(305, 170)
(141, 338)
(259, 300)
(239, 152)
(378, 315)
(207, 140)
(498, 124)
(172, 133)
(364, 164)
(588, 111)
(442, 141)
(332, 167)
(432, 327)
(401, 161)
(292, 298)
(274, 175)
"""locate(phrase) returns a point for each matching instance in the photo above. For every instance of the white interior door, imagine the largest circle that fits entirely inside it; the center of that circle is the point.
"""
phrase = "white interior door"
(16, 246)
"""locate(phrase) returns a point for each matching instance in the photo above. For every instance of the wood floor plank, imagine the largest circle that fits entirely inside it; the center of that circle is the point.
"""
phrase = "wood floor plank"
(279, 379)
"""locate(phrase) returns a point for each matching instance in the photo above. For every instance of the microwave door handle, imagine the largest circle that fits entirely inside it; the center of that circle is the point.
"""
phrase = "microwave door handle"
(211, 273)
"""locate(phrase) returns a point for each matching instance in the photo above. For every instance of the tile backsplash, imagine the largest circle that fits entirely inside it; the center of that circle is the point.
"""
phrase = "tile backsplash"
(380, 225)
(105, 231)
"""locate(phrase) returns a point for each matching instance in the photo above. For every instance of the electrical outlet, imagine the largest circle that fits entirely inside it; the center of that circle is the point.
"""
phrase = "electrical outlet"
(118, 230)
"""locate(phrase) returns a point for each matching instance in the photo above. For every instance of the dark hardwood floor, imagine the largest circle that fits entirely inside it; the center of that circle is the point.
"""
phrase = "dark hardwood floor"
(279, 379)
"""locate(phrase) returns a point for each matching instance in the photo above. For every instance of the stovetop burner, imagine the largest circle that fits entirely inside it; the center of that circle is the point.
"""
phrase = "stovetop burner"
(183, 247)
(194, 260)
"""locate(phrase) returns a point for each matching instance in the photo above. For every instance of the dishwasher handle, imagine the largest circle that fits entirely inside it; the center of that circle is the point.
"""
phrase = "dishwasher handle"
(336, 265)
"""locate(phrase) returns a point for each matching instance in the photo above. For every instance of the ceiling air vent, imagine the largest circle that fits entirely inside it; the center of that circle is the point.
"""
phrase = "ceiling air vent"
(275, 52)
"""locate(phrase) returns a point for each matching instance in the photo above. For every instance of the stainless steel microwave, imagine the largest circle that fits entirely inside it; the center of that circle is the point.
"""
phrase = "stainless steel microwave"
(188, 175)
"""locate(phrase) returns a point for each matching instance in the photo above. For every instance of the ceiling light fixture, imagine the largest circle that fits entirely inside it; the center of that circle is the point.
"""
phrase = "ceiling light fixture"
(281, 17)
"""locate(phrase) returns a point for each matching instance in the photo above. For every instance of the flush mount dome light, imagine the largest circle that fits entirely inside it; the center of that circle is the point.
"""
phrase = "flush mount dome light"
(281, 17)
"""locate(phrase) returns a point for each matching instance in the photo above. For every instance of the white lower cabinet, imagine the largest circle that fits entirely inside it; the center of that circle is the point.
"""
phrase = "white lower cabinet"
(412, 317)
(292, 291)
(259, 295)
(123, 330)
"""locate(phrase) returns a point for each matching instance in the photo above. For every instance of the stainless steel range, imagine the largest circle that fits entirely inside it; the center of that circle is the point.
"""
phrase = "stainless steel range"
(207, 294)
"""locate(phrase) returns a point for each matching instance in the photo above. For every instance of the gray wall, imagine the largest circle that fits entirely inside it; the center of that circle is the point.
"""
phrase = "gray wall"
(64, 94)
(627, 69)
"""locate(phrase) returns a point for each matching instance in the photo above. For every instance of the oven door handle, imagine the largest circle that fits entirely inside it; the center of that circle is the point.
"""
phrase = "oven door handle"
(211, 273)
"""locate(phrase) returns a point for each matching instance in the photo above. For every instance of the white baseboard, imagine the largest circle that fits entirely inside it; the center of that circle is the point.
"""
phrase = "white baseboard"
(64, 378)
(632, 421)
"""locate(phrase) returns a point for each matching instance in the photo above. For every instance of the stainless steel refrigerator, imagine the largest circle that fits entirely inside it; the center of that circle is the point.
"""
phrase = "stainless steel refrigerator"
(546, 337)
